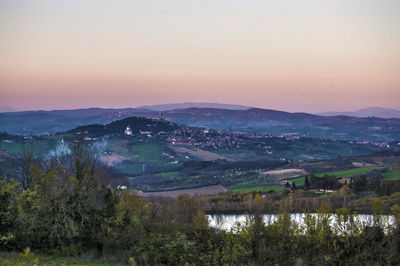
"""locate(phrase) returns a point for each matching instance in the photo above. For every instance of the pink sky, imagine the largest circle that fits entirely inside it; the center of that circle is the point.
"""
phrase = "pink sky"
(311, 56)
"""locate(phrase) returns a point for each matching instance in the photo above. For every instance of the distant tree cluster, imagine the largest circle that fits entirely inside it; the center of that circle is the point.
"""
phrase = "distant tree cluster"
(324, 182)
(388, 187)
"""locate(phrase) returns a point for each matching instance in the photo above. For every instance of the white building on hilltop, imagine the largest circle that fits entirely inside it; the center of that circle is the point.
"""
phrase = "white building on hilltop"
(128, 131)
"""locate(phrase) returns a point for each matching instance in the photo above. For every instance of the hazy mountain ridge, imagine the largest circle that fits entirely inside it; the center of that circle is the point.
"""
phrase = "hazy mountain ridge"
(368, 112)
(6, 109)
(194, 114)
(256, 120)
(252, 120)
(185, 105)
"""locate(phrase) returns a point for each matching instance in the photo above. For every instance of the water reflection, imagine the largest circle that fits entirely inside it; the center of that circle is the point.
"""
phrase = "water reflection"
(229, 221)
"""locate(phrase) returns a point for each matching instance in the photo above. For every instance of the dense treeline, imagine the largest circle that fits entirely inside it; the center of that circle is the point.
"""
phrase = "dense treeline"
(388, 187)
(296, 202)
(69, 207)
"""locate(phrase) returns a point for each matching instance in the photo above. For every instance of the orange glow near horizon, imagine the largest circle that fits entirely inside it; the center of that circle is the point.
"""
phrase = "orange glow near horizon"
(314, 56)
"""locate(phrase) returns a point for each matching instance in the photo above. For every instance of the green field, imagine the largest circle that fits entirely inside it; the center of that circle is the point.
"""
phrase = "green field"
(350, 172)
(345, 173)
(119, 146)
(141, 156)
(253, 187)
(169, 174)
(298, 181)
(146, 151)
(37, 147)
(392, 175)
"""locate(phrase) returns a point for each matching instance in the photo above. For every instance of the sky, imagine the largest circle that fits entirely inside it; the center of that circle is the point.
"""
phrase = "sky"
(292, 55)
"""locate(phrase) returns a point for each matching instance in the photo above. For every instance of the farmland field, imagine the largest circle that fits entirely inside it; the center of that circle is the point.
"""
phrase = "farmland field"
(254, 187)
(37, 147)
(199, 153)
(392, 175)
(112, 160)
(285, 173)
(169, 174)
(148, 151)
(298, 181)
(350, 172)
(206, 190)
(344, 173)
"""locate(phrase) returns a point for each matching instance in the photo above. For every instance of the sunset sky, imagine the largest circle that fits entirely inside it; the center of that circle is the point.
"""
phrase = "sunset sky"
(298, 55)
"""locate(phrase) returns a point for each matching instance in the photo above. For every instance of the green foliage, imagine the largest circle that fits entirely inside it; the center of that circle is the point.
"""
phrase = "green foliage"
(392, 175)
(28, 258)
(13, 258)
(8, 207)
(69, 211)
(388, 187)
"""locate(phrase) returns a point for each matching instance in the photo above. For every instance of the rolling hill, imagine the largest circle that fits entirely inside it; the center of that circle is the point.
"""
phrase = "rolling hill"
(253, 120)
(274, 122)
(368, 112)
(172, 106)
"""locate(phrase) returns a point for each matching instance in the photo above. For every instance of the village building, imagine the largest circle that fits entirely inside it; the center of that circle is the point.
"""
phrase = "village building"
(159, 117)
(345, 180)
(128, 131)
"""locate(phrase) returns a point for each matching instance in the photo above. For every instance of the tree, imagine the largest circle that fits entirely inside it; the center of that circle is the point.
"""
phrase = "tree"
(8, 207)
(306, 183)
(26, 163)
(359, 184)
(68, 203)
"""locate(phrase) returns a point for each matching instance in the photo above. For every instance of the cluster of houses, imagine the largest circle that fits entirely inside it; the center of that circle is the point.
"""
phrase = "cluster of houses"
(199, 137)
(206, 138)
(379, 144)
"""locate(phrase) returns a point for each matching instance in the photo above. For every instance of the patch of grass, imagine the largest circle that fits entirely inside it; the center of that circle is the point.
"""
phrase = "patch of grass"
(146, 151)
(13, 258)
(36, 146)
(253, 187)
(173, 174)
(239, 154)
(298, 181)
(118, 146)
(350, 172)
(130, 167)
(392, 175)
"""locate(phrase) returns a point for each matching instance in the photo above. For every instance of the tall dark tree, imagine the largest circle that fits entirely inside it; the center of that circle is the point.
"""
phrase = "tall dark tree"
(306, 183)
(26, 163)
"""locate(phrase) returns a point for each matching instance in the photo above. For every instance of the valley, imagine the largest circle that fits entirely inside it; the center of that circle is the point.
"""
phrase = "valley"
(159, 155)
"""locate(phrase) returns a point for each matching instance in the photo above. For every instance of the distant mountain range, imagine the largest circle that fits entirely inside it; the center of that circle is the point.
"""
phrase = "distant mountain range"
(256, 120)
(368, 112)
(253, 120)
(365, 112)
(165, 107)
(6, 109)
